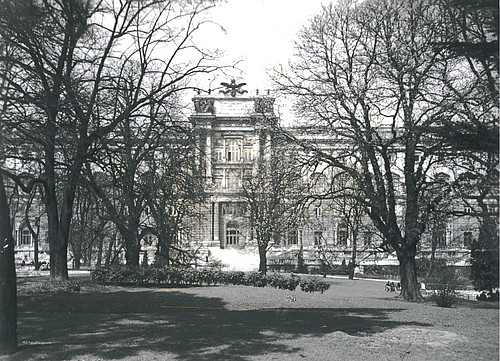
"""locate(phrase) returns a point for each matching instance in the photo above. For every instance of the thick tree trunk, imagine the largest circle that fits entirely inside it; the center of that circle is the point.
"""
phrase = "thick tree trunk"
(109, 252)
(132, 248)
(8, 296)
(58, 261)
(99, 252)
(58, 250)
(408, 275)
(88, 261)
(58, 253)
(262, 259)
(162, 256)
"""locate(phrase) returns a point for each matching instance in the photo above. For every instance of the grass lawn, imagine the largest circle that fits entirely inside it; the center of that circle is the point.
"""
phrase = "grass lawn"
(353, 320)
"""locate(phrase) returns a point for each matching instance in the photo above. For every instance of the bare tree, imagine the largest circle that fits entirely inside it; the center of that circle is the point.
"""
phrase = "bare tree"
(365, 72)
(335, 193)
(8, 296)
(351, 211)
(8, 287)
(273, 196)
(34, 198)
(468, 122)
(174, 189)
(89, 228)
(68, 67)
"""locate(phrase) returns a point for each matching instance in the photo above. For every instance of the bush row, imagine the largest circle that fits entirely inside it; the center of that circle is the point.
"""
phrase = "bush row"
(123, 275)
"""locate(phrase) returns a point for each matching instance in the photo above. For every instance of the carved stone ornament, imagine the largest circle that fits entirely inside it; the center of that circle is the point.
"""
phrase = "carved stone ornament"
(204, 105)
(233, 88)
(264, 105)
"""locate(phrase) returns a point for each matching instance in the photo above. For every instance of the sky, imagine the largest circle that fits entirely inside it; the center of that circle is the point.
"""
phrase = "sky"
(260, 33)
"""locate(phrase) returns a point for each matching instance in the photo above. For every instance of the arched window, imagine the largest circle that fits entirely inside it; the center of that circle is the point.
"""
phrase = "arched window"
(342, 234)
(233, 150)
(442, 177)
(25, 237)
(232, 233)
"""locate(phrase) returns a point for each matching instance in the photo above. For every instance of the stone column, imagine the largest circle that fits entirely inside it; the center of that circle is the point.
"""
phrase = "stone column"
(208, 154)
(216, 222)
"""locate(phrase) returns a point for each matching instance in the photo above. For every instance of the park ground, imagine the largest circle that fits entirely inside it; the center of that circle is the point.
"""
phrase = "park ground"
(353, 320)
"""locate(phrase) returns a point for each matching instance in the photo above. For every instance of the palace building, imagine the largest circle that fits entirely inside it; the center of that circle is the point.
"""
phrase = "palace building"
(234, 131)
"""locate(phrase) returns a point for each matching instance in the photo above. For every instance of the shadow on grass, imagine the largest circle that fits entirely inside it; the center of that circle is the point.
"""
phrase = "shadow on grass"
(115, 325)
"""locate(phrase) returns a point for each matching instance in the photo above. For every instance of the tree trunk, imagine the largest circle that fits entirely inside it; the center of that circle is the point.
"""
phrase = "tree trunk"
(58, 253)
(132, 248)
(162, 256)
(8, 296)
(408, 275)
(432, 261)
(35, 247)
(89, 257)
(58, 261)
(263, 259)
(352, 267)
(109, 252)
(99, 252)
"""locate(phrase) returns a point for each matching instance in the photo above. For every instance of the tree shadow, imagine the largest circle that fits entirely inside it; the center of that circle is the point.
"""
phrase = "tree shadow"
(114, 325)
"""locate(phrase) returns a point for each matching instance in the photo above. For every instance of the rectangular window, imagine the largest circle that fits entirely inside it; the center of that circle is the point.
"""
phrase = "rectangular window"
(292, 237)
(318, 235)
(248, 154)
(232, 236)
(342, 234)
(367, 238)
(218, 181)
(439, 235)
(218, 155)
(467, 239)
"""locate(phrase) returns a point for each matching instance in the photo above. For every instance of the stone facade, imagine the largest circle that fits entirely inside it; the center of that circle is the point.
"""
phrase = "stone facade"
(232, 133)
(235, 130)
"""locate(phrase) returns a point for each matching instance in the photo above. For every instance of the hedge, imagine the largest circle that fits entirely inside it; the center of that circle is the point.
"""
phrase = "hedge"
(173, 276)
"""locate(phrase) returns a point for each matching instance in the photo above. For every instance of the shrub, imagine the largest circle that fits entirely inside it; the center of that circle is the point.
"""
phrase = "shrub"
(114, 275)
(158, 275)
(445, 297)
(256, 280)
(121, 275)
(235, 277)
(208, 277)
(314, 285)
(484, 256)
(278, 281)
(445, 286)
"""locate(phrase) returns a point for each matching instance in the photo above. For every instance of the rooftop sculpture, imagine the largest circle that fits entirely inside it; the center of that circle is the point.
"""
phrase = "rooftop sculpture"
(233, 88)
